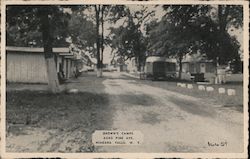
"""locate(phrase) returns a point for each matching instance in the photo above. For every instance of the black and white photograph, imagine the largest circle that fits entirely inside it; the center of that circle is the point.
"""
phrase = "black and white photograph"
(131, 77)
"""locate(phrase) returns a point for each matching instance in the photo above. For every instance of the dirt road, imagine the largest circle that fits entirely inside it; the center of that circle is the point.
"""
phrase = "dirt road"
(171, 122)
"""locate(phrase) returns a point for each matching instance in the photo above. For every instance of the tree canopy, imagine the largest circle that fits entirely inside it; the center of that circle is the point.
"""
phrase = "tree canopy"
(184, 29)
(128, 40)
(23, 25)
(191, 28)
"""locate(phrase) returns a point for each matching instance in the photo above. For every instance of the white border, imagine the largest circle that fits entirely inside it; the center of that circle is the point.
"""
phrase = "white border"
(82, 2)
(126, 155)
(246, 74)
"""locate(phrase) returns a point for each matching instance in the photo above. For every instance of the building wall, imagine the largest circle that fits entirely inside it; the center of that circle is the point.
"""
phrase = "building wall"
(193, 67)
(131, 65)
(196, 67)
(185, 67)
(64, 64)
(122, 68)
(59, 61)
(69, 68)
(30, 67)
(210, 67)
(26, 67)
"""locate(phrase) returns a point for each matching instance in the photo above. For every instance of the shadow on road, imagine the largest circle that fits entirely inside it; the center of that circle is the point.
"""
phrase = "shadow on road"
(193, 107)
(135, 100)
(150, 118)
(238, 108)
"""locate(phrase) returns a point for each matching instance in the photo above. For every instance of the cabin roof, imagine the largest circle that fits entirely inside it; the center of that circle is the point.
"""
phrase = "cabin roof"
(159, 58)
(197, 61)
(61, 50)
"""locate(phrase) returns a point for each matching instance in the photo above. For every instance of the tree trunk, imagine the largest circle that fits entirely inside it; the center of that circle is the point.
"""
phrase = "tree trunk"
(99, 64)
(223, 12)
(53, 82)
(180, 66)
(139, 64)
(102, 34)
(52, 76)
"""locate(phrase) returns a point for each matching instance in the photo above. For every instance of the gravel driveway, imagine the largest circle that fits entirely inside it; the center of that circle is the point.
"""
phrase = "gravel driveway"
(170, 121)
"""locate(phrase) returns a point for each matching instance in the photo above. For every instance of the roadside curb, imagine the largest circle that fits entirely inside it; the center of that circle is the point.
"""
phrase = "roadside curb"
(221, 90)
(128, 74)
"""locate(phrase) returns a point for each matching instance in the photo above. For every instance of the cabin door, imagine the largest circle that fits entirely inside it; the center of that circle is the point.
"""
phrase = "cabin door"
(203, 68)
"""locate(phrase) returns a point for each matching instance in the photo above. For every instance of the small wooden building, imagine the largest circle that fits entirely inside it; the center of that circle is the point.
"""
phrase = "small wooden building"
(131, 65)
(202, 66)
(27, 64)
(198, 63)
(66, 60)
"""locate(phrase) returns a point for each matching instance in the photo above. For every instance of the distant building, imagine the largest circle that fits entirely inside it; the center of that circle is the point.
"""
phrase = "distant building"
(198, 64)
(203, 66)
(131, 65)
(121, 65)
(27, 64)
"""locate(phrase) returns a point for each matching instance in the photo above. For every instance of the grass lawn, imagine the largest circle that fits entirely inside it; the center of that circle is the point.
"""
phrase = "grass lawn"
(236, 102)
(64, 113)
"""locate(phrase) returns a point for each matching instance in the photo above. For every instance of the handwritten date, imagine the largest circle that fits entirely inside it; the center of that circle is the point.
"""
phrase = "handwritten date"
(217, 144)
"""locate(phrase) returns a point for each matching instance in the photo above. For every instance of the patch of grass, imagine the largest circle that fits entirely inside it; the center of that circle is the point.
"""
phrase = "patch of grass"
(212, 97)
(42, 108)
(66, 120)
(66, 112)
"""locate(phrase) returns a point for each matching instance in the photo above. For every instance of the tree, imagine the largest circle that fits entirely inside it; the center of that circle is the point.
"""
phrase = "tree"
(91, 31)
(176, 34)
(128, 39)
(48, 53)
(219, 44)
(87, 30)
(101, 11)
(82, 32)
(191, 28)
(98, 40)
(24, 26)
(28, 20)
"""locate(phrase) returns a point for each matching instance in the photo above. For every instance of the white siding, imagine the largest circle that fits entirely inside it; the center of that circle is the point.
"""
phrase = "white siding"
(59, 60)
(69, 68)
(65, 67)
(26, 68)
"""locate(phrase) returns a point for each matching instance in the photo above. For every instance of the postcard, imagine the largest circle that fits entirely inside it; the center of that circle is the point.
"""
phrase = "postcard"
(124, 79)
